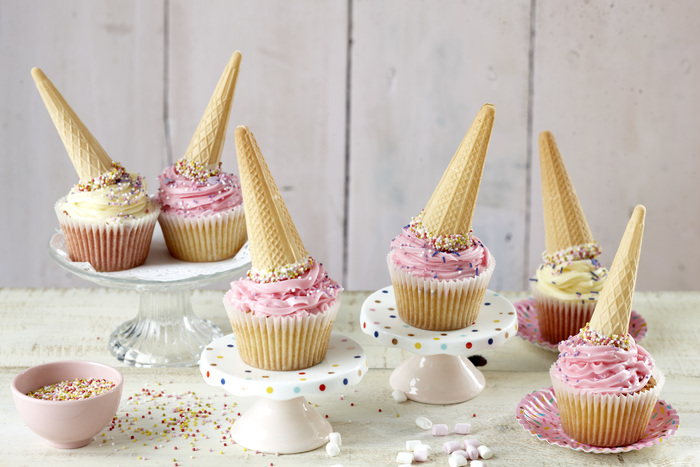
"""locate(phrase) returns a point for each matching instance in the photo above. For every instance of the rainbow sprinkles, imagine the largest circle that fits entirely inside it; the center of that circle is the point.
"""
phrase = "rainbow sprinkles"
(446, 243)
(288, 271)
(194, 170)
(575, 253)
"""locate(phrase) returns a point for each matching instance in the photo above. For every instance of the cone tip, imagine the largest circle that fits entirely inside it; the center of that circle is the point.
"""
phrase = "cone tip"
(639, 214)
(241, 130)
(236, 57)
(488, 109)
(38, 75)
(546, 136)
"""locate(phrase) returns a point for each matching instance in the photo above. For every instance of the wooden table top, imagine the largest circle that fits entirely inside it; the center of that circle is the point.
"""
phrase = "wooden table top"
(42, 325)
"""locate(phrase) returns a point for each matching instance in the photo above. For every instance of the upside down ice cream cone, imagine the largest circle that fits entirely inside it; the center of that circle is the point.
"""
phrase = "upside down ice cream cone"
(282, 313)
(208, 226)
(107, 219)
(438, 268)
(605, 384)
(568, 282)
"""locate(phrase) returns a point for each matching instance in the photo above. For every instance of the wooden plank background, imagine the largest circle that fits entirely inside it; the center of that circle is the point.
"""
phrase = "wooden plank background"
(359, 105)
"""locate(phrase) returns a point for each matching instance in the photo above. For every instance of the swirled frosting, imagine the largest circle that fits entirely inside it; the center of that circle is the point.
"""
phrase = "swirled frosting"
(187, 197)
(415, 256)
(603, 369)
(118, 202)
(312, 292)
(577, 280)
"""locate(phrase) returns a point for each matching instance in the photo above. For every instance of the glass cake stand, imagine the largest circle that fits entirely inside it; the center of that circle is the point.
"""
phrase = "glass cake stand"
(165, 331)
(439, 372)
(281, 420)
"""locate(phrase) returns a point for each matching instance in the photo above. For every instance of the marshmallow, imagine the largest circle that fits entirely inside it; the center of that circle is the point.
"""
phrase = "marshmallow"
(440, 429)
(457, 461)
(460, 452)
(485, 452)
(424, 423)
(412, 443)
(332, 449)
(423, 447)
(463, 428)
(451, 446)
(478, 464)
(399, 396)
(335, 438)
(404, 458)
(420, 454)
(472, 442)
(472, 452)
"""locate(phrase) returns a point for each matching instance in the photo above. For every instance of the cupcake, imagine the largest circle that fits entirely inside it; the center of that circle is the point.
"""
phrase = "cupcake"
(605, 384)
(202, 214)
(282, 313)
(567, 284)
(107, 218)
(438, 268)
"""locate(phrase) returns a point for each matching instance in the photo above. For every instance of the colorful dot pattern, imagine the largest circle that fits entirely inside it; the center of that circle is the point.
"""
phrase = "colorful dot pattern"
(495, 324)
(528, 326)
(538, 414)
(345, 364)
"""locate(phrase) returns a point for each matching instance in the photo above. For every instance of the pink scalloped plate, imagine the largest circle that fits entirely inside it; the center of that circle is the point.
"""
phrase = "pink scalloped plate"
(529, 329)
(538, 414)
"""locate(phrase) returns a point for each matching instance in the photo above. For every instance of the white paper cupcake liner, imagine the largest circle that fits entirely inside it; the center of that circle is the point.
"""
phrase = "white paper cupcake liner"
(204, 239)
(606, 419)
(559, 319)
(108, 247)
(435, 304)
(282, 343)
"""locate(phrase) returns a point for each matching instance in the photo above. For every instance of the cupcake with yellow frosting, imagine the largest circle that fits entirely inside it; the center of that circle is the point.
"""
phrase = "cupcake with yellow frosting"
(567, 284)
(107, 218)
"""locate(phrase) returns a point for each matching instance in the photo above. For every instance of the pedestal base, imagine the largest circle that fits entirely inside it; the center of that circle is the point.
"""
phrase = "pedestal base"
(284, 427)
(165, 332)
(438, 379)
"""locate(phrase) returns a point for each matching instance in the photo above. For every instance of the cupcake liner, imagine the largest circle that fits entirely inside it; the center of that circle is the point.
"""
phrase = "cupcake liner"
(282, 343)
(108, 247)
(606, 419)
(204, 239)
(559, 319)
(436, 304)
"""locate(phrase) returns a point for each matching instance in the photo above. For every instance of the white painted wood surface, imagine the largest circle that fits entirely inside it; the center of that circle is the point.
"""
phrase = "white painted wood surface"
(617, 83)
(41, 325)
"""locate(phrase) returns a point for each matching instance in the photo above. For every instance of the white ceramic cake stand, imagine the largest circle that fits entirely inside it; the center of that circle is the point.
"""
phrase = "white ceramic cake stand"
(165, 331)
(439, 372)
(281, 420)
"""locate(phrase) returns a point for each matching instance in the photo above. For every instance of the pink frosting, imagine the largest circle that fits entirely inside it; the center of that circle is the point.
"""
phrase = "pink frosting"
(311, 293)
(604, 369)
(414, 255)
(187, 197)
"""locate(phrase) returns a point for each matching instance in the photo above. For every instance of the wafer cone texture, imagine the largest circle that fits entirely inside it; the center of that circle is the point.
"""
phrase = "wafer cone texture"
(565, 224)
(272, 235)
(207, 143)
(89, 158)
(612, 313)
(451, 207)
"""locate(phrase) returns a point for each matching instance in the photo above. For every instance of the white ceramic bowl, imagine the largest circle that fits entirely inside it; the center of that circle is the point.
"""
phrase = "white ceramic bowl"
(71, 423)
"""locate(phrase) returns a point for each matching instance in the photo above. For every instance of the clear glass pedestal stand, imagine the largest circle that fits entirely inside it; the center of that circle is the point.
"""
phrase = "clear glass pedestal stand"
(165, 332)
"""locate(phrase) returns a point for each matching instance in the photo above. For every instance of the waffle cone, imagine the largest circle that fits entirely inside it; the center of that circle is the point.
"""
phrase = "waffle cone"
(565, 224)
(89, 158)
(272, 235)
(451, 207)
(207, 143)
(612, 313)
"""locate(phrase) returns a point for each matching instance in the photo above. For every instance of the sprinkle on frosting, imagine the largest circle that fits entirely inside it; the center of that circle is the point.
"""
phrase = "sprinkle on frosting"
(194, 170)
(104, 180)
(594, 337)
(575, 253)
(448, 243)
(288, 271)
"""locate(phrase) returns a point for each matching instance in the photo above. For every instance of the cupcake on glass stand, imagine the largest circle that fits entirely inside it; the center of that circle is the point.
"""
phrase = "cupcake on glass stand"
(440, 273)
(282, 315)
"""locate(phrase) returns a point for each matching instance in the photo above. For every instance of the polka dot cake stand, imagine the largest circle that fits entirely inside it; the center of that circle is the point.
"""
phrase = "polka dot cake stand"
(439, 372)
(281, 420)
(165, 332)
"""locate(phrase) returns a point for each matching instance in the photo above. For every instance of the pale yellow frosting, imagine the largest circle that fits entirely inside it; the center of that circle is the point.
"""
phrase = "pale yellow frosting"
(576, 280)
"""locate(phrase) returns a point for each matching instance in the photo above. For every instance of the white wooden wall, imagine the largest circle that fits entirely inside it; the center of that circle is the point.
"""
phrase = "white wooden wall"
(358, 106)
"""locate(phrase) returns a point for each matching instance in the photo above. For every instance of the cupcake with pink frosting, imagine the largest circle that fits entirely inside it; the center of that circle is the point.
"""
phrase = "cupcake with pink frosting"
(283, 312)
(202, 215)
(605, 384)
(439, 269)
